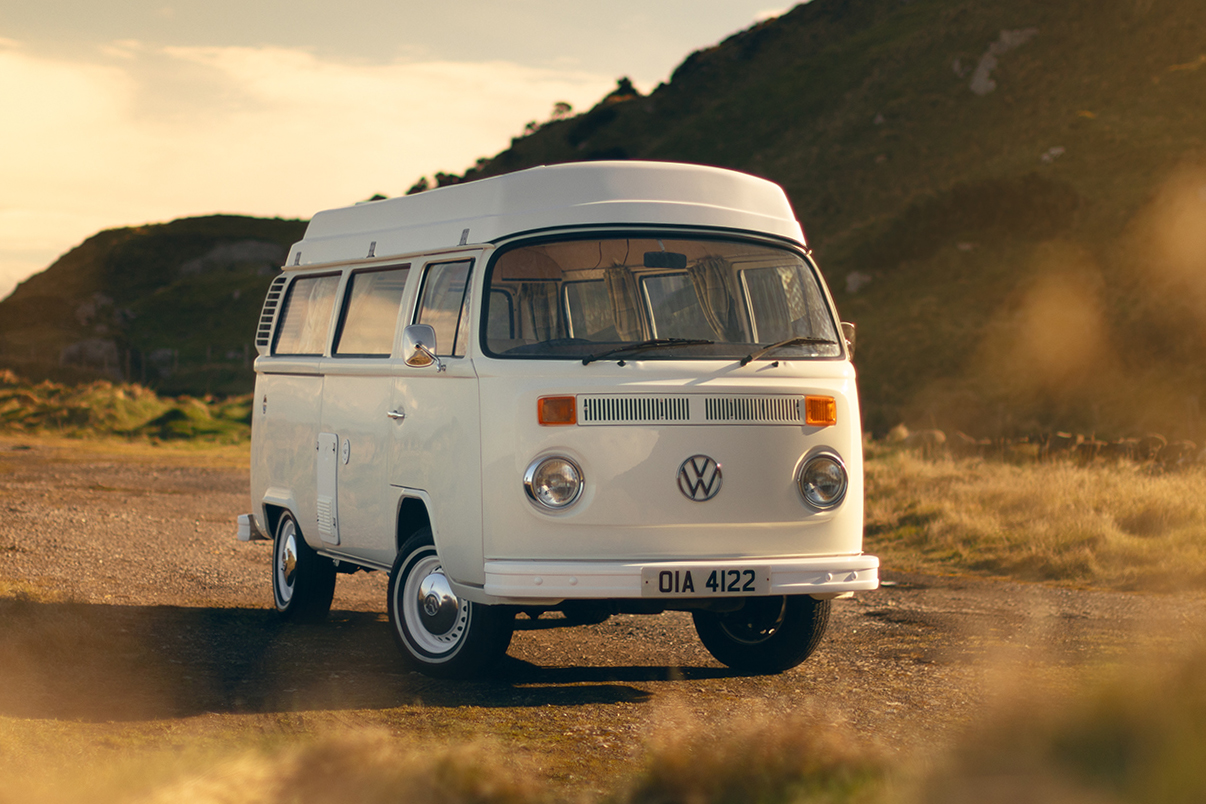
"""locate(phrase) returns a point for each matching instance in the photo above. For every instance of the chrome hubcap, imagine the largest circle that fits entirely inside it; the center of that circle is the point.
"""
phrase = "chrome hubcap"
(435, 618)
(439, 607)
(286, 563)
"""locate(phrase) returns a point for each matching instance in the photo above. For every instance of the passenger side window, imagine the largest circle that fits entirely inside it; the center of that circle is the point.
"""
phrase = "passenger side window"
(443, 304)
(784, 307)
(305, 319)
(370, 313)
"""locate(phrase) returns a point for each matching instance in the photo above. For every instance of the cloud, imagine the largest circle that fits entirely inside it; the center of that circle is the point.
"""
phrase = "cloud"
(143, 133)
(772, 13)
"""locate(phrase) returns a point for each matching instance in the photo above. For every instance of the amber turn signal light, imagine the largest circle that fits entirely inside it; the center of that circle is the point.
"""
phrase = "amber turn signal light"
(820, 411)
(556, 410)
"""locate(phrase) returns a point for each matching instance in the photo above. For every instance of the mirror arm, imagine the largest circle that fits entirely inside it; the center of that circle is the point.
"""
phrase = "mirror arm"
(439, 364)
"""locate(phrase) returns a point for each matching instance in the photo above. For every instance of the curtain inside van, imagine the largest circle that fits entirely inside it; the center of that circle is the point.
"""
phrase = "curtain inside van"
(622, 291)
(717, 292)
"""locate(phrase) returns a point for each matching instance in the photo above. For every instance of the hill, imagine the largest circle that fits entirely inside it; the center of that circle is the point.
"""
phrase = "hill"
(1009, 200)
(170, 305)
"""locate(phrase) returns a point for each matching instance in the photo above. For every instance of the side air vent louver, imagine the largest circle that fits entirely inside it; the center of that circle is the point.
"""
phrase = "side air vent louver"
(263, 333)
(753, 409)
(634, 409)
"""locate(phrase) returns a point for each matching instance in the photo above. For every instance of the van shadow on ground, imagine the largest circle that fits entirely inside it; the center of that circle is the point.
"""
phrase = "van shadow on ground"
(95, 662)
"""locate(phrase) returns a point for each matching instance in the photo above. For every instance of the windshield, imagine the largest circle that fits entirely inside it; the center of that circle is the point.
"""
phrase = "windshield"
(578, 298)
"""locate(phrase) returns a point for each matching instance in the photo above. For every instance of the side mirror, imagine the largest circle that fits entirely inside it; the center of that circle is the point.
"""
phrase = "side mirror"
(418, 346)
(848, 334)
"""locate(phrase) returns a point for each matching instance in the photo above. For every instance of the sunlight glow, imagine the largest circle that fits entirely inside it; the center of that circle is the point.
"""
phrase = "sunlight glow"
(144, 133)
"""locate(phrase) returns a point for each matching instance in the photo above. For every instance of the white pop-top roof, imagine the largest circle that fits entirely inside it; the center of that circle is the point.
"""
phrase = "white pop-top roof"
(577, 194)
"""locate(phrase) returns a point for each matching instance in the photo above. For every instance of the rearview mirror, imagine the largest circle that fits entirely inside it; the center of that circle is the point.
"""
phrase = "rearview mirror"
(665, 259)
(848, 334)
(419, 345)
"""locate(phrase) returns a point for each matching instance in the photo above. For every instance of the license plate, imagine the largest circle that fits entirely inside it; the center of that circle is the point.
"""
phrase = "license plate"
(705, 582)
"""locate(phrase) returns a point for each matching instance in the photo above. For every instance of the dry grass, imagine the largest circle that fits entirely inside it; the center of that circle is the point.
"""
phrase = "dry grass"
(1140, 737)
(368, 767)
(761, 758)
(365, 766)
(1119, 526)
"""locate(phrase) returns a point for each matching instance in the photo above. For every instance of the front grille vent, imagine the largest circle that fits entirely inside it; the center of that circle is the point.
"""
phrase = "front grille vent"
(635, 409)
(263, 333)
(690, 409)
(753, 409)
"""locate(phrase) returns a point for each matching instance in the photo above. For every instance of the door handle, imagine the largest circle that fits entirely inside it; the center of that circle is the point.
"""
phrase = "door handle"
(397, 415)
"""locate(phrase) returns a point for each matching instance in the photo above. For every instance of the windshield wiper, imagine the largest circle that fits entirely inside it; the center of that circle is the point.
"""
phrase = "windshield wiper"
(652, 343)
(789, 342)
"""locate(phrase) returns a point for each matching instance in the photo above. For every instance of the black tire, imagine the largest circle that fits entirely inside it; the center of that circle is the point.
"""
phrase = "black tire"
(767, 635)
(303, 582)
(439, 634)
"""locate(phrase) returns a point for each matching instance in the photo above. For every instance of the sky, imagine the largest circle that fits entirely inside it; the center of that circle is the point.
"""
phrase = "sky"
(143, 111)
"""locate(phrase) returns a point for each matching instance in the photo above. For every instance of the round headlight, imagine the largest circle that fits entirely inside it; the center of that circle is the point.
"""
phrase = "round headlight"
(823, 481)
(553, 483)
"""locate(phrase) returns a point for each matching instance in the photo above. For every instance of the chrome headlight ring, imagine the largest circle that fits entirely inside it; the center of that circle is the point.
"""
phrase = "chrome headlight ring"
(553, 482)
(823, 481)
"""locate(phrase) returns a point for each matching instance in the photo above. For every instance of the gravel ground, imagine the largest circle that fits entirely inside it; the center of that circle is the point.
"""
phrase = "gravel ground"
(174, 621)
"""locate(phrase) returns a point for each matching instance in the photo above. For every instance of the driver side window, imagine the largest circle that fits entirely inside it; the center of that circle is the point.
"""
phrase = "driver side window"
(444, 302)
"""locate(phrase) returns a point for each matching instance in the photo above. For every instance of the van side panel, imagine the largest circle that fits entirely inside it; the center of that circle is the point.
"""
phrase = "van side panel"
(356, 397)
(284, 429)
(436, 449)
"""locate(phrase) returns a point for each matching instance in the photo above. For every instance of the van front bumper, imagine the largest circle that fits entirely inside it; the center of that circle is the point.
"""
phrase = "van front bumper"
(530, 581)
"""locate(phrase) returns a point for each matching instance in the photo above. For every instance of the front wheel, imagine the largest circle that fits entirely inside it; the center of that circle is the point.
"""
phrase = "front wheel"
(303, 582)
(438, 633)
(767, 635)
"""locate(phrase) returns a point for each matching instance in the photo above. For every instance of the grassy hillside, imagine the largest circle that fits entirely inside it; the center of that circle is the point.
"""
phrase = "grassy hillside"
(101, 409)
(172, 305)
(1014, 194)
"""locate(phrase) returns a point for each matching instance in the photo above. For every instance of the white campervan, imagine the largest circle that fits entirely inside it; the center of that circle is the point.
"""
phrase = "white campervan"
(597, 388)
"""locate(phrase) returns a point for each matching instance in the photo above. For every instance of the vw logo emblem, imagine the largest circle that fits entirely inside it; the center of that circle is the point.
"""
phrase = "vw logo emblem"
(699, 478)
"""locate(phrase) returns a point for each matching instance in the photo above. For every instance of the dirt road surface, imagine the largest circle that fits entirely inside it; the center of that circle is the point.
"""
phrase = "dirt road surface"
(165, 619)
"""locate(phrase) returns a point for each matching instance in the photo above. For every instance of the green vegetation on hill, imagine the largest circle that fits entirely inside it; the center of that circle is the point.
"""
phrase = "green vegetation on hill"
(170, 305)
(1008, 199)
(102, 408)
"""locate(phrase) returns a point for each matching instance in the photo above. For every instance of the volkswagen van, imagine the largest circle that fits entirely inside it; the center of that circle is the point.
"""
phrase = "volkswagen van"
(592, 388)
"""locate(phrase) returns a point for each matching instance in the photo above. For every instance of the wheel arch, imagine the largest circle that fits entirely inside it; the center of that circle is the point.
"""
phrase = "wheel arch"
(272, 517)
(413, 515)
(460, 552)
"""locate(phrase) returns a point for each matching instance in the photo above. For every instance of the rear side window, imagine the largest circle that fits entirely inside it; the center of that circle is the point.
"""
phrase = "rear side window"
(370, 314)
(306, 316)
(442, 304)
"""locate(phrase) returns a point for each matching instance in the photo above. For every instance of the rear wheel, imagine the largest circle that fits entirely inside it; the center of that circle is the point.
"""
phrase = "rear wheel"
(767, 635)
(303, 582)
(438, 633)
